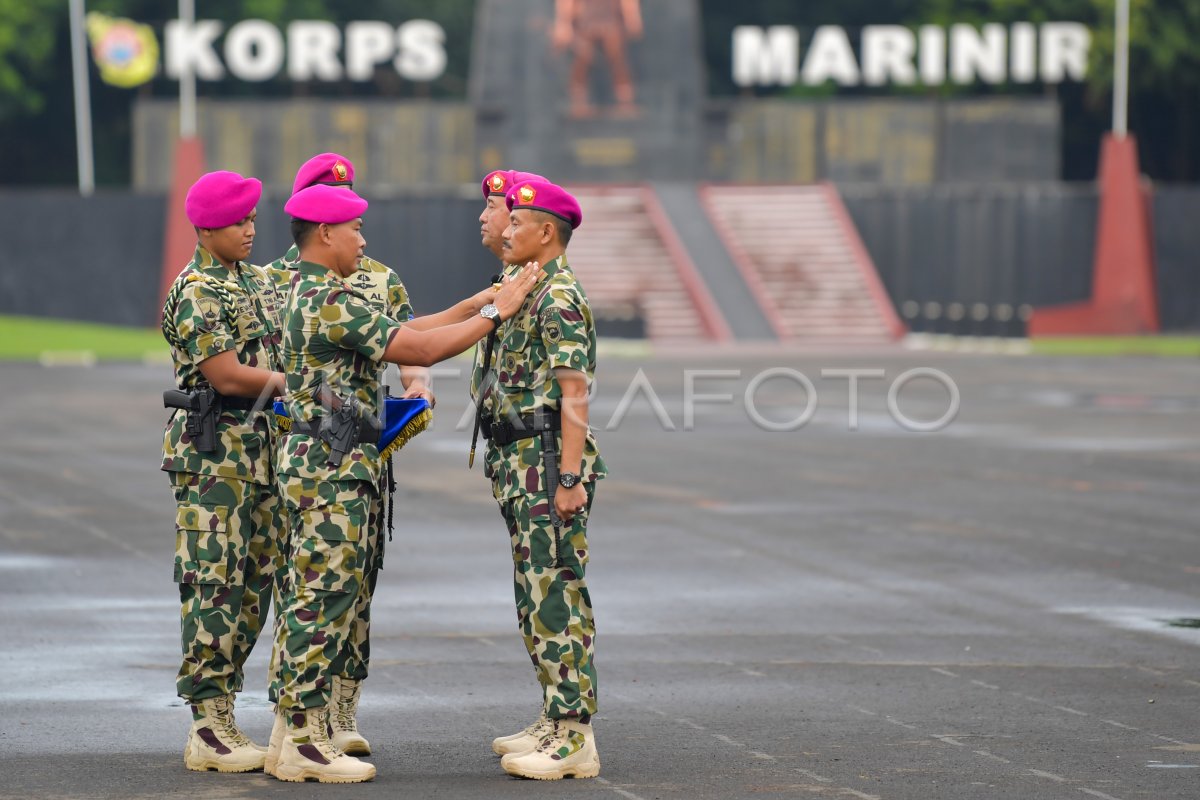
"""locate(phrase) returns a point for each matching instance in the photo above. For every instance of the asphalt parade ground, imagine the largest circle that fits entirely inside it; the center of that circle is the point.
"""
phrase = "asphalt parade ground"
(1005, 607)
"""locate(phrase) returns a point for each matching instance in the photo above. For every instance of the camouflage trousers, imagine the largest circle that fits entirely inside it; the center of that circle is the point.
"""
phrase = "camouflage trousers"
(357, 648)
(328, 571)
(554, 609)
(227, 550)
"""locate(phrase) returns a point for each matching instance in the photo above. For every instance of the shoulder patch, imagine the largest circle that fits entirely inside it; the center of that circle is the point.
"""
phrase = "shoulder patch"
(210, 311)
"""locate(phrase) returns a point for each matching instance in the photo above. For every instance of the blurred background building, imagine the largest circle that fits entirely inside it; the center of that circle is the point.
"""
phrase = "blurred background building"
(761, 170)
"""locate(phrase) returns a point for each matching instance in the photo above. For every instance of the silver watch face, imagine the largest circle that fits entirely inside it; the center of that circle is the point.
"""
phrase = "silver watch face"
(489, 311)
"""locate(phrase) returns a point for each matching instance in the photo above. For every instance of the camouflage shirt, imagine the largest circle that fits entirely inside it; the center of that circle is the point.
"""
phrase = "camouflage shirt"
(377, 282)
(553, 329)
(211, 309)
(332, 335)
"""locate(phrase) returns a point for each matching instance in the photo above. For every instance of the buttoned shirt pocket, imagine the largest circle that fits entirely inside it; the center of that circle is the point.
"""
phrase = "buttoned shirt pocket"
(202, 552)
(513, 367)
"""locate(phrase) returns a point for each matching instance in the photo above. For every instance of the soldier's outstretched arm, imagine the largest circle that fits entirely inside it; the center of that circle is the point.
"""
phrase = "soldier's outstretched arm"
(232, 378)
(428, 347)
(460, 311)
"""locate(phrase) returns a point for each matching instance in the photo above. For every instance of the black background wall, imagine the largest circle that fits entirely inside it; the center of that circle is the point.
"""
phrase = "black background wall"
(99, 259)
(971, 247)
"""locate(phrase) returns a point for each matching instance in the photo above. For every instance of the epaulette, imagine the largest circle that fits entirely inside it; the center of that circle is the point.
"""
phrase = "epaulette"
(222, 289)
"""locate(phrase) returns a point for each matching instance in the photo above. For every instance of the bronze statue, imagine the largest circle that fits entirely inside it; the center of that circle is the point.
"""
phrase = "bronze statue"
(584, 24)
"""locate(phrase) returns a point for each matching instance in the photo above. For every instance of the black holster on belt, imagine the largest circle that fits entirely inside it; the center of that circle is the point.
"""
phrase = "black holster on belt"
(342, 428)
(525, 426)
(204, 405)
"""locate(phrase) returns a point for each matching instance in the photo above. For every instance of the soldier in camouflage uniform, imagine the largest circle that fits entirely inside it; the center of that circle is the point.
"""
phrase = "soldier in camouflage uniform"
(493, 221)
(384, 289)
(221, 319)
(545, 482)
(334, 343)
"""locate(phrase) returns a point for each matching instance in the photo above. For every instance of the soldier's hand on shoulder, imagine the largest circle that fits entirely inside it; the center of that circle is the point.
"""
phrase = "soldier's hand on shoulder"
(516, 288)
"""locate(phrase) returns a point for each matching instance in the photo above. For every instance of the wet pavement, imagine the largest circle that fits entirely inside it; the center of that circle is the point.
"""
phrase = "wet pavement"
(1005, 607)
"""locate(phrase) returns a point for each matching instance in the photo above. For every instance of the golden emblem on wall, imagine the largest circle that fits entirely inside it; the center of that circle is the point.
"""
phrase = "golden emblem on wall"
(126, 52)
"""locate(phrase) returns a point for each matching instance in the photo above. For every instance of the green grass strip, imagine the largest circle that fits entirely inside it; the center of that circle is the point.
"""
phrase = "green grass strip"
(64, 341)
(1170, 346)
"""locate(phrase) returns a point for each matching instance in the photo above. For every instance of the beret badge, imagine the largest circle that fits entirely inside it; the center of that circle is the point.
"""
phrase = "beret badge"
(526, 195)
(497, 183)
(339, 171)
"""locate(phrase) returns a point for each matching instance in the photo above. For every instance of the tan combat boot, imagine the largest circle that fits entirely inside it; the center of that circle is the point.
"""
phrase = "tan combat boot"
(307, 752)
(523, 741)
(568, 751)
(341, 719)
(276, 744)
(216, 742)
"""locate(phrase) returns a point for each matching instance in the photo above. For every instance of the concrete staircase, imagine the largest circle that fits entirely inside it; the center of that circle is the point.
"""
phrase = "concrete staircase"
(801, 256)
(627, 258)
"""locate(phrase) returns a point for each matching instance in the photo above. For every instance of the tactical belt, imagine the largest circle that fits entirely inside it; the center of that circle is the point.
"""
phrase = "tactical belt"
(241, 403)
(312, 428)
(527, 426)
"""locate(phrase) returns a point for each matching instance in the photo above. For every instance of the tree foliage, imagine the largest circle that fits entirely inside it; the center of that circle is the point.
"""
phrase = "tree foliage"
(28, 38)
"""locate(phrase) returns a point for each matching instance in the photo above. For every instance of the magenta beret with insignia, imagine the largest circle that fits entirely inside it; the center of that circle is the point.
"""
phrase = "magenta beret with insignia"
(500, 181)
(330, 169)
(541, 195)
(219, 199)
(326, 204)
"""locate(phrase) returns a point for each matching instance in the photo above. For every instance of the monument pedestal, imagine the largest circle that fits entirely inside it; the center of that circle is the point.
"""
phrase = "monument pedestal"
(524, 111)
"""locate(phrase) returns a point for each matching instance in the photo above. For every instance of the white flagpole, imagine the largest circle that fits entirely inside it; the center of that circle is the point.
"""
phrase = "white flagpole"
(83, 101)
(1121, 71)
(187, 80)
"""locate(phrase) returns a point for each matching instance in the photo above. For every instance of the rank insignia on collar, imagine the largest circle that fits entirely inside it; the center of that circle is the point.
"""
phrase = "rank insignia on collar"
(497, 183)
(339, 171)
(526, 195)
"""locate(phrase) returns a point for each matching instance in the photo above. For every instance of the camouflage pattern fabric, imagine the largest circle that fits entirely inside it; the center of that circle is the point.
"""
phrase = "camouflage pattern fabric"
(326, 572)
(209, 310)
(227, 518)
(554, 609)
(334, 335)
(377, 282)
(226, 554)
(356, 651)
(383, 288)
(553, 329)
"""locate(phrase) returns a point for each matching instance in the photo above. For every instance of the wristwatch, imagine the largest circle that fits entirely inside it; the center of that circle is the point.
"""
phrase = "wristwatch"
(568, 480)
(490, 312)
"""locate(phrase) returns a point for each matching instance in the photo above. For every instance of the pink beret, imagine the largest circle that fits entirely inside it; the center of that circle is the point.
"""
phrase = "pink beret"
(219, 199)
(327, 168)
(500, 181)
(326, 204)
(541, 195)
